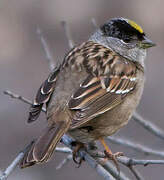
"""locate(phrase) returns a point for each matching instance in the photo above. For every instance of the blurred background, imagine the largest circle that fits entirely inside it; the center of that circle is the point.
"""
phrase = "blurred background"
(23, 67)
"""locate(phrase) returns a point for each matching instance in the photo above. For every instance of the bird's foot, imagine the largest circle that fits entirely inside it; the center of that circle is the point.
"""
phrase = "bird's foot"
(78, 146)
(109, 155)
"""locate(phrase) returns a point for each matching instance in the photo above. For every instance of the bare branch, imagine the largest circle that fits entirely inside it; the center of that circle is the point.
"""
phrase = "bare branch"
(148, 125)
(67, 141)
(11, 167)
(63, 150)
(16, 96)
(90, 160)
(136, 173)
(93, 20)
(126, 160)
(133, 162)
(16, 161)
(67, 32)
(111, 169)
(135, 146)
(49, 57)
(64, 162)
(21, 98)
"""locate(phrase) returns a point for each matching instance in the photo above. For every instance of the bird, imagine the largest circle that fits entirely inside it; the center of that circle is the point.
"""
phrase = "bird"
(93, 92)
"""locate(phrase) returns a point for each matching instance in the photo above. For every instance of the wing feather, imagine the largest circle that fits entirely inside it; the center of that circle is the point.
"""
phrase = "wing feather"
(110, 79)
(43, 95)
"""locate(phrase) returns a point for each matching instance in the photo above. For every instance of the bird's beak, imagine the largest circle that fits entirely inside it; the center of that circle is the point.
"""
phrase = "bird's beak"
(146, 43)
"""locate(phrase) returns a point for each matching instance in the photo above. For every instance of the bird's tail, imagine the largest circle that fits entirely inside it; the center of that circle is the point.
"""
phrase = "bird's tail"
(42, 149)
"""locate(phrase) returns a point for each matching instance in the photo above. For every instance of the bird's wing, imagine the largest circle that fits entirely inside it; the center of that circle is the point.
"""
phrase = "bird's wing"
(110, 79)
(43, 95)
(46, 89)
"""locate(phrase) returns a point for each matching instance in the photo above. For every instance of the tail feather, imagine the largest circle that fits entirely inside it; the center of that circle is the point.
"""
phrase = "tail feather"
(25, 161)
(43, 147)
(49, 139)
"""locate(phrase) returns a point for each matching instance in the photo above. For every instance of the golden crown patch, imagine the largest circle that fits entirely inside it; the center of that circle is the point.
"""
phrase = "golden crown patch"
(135, 25)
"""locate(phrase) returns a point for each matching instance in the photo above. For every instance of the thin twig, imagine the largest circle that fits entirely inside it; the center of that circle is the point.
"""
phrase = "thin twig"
(111, 169)
(99, 168)
(136, 173)
(135, 146)
(16, 96)
(90, 160)
(126, 160)
(67, 33)
(149, 126)
(133, 162)
(93, 20)
(64, 162)
(15, 162)
(63, 150)
(67, 141)
(21, 98)
(49, 57)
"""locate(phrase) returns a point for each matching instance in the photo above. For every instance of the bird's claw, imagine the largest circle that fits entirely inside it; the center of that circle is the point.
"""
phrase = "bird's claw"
(114, 157)
(76, 159)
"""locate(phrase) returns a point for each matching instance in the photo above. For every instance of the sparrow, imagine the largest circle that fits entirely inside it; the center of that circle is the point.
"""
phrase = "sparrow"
(94, 91)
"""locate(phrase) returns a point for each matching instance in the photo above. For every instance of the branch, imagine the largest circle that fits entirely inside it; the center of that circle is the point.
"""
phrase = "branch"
(93, 20)
(67, 33)
(63, 150)
(16, 161)
(21, 98)
(12, 166)
(91, 161)
(136, 173)
(64, 162)
(111, 169)
(135, 146)
(133, 162)
(49, 57)
(126, 160)
(148, 125)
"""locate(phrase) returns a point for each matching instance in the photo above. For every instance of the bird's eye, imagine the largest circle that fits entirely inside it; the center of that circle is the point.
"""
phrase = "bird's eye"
(126, 40)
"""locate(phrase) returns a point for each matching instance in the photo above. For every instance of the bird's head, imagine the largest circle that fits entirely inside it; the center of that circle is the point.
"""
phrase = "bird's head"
(125, 37)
